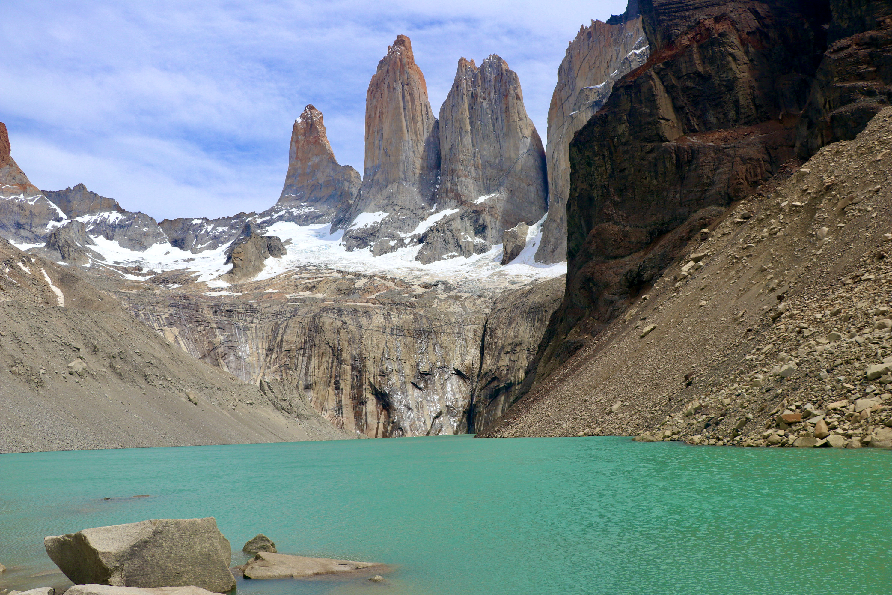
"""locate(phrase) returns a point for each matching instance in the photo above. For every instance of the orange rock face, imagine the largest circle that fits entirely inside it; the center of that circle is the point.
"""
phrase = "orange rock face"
(13, 180)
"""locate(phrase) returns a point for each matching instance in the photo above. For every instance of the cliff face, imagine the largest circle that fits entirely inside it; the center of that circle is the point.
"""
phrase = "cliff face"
(315, 184)
(709, 117)
(854, 81)
(600, 55)
(12, 179)
(402, 157)
(375, 355)
(492, 160)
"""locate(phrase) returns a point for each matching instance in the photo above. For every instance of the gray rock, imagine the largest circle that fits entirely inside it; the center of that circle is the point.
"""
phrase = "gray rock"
(37, 591)
(877, 370)
(514, 240)
(276, 566)
(70, 243)
(260, 543)
(821, 429)
(112, 590)
(806, 442)
(836, 441)
(153, 553)
(882, 438)
(248, 255)
(865, 405)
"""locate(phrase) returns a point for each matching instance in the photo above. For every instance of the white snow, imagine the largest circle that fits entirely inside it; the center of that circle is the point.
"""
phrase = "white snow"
(107, 216)
(60, 297)
(24, 268)
(483, 199)
(367, 219)
(429, 222)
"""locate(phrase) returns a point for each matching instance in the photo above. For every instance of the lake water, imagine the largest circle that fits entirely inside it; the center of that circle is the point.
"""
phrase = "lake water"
(465, 516)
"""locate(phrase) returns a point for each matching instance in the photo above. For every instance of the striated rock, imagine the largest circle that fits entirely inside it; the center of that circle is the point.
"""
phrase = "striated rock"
(248, 255)
(278, 566)
(600, 55)
(148, 554)
(651, 168)
(13, 180)
(315, 184)
(491, 158)
(259, 543)
(514, 240)
(113, 590)
(402, 156)
(78, 201)
(854, 82)
(69, 243)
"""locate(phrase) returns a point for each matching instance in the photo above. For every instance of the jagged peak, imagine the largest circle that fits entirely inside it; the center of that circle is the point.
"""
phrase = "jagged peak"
(4, 143)
(309, 136)
(310, 114)
(401, 49)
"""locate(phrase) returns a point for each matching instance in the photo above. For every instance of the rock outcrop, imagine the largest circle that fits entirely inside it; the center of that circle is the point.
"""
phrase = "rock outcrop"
(70, 243)
(600, 55)
(854, 81)
(710, 117)
(78, 201)
(278, 566)
(402, 155)
(514, 240)
(315, 184)
(13, 180)
(259, 543)
(249, 254)
(492, 163)
(148, 554)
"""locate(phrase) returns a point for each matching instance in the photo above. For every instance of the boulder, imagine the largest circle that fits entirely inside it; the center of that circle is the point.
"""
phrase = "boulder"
(148, 554)
(821, 429)
(112, 590)
(37, 591)
(807, 442)
(2, 568)
(267, 565)
(260, 543)
(882, 438)
(836, 441)
(865, 405)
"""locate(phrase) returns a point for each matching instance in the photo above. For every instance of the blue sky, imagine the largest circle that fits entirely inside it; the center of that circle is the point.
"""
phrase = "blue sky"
(182, 109)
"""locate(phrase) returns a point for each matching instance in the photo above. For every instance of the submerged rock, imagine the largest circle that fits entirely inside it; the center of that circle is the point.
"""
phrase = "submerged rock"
(260, 543)
(267, 565)
(153, 553)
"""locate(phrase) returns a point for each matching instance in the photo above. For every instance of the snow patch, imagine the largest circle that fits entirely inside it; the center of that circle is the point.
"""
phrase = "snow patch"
(429, 222)
(60, 297)
(367, 219)
(483, 199)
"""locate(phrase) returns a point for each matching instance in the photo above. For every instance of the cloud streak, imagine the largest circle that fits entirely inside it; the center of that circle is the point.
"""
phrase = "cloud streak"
(185, 109)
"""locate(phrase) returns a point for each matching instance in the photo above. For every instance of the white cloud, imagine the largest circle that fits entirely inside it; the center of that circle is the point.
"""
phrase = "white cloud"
(183, 109)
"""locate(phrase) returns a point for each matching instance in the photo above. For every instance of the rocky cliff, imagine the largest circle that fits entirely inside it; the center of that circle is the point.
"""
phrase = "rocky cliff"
(710, 116)
(492, 163)
(13, 180)
(402, 154)
(600, 55)
(78, 372)
(315, 184)
(773, 329)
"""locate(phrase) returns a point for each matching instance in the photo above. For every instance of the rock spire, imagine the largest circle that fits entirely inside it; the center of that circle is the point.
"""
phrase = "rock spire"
(13, 180)
(599, 55)
(315, 183)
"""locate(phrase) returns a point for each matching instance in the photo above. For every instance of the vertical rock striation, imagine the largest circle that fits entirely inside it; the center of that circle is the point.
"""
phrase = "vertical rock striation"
(315, 184)
(401, 154)
(600, 55)
(492, 162)
(13, 180)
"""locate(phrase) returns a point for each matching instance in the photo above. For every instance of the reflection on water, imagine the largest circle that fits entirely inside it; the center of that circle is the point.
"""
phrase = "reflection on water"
(457, 515)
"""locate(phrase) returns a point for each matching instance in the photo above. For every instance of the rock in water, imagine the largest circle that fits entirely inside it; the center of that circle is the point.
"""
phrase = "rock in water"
(272, 566)
(492, 163)
(600, 55)
(315, 184)
(402, 154)
(110, 590)
(154, 553)
(260, 543)
(37, 591)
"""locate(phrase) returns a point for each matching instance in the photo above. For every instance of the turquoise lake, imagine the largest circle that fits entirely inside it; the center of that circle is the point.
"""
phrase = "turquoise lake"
(463, 516)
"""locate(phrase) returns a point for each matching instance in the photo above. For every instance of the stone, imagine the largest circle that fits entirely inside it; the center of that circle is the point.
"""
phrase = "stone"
(787, 370)
(789, 418)
(881, 438)
(267, 565)
(316, 185)
(377, 579)
(647, 437)
(836, 441)
(821, 429)
(806, 442)
(77, 367)
(600, 55)
(2, 568)
(834, 337)
(865, 405)
(883, 324)
(514, 240)
(148, 554)
(774, 440)
(37, 591)
(876, 371)
(115, 590)
(647, 330)
(854, 443)
(259, 543)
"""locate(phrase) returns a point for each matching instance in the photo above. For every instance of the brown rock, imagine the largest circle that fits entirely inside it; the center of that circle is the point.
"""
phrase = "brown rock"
(259, 543)
(790, 418)
(13, 180)
(821, 429)
(315, 184)
(514, 240)
(599, 55)
(277, 566)
(806, 442)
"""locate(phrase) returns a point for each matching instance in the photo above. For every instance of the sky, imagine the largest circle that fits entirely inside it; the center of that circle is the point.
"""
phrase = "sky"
(185, 109)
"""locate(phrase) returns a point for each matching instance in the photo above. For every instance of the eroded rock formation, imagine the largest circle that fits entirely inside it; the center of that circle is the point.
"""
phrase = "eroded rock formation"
(402, 155)
(492, 161)
(13, 180)
(315, 184)
(600, 55)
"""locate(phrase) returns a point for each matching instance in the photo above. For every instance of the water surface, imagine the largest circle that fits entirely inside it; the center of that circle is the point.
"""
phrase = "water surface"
(465, 516)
